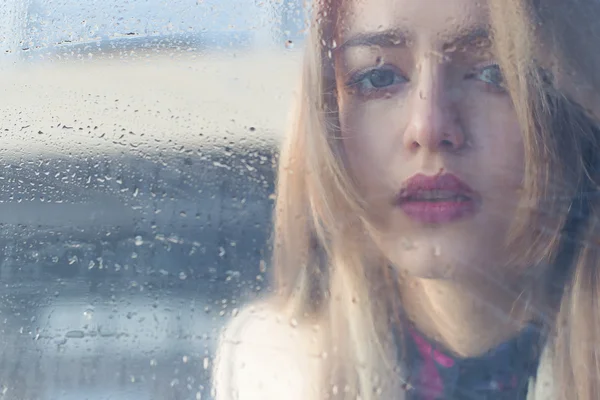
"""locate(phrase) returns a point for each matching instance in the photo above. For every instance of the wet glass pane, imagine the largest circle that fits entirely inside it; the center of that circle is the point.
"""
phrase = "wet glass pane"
(136, 192)
(288, 199)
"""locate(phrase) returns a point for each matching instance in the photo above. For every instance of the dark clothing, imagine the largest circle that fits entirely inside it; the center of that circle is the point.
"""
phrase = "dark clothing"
(502, 373)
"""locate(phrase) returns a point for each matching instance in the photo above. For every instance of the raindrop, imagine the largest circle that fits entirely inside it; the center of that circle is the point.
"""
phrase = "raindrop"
(205, 363)
(289, 44)
(182, 276)
(75, 335)
(88, 313)
(185, 359)
(407, 244)
(138, 241)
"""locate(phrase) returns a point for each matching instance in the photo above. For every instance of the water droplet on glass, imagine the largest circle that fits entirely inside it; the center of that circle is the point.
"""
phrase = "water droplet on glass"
(75, 335)
(262, 266)
(407, 244)
(138, 241)
(205, 363)
(185, 359)
(289, 44)
(88, 313)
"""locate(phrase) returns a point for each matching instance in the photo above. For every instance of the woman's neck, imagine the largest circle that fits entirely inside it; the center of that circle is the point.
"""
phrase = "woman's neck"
(467, 319)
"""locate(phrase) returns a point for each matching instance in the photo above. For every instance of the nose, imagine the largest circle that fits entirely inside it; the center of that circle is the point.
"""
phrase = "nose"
(434, 121)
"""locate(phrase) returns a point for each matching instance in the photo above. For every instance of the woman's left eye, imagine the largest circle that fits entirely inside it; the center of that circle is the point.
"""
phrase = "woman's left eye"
(491, 74)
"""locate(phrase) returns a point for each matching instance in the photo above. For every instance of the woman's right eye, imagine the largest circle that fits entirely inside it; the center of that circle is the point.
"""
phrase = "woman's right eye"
(376, 79)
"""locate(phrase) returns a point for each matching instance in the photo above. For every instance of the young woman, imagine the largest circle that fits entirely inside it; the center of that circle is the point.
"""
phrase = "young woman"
(437, 219)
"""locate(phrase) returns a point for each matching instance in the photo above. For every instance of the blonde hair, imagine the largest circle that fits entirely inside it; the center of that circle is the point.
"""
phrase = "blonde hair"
(546, 48)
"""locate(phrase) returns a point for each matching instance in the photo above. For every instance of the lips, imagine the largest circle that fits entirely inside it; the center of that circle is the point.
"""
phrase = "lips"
(436, 199)
(436, 195)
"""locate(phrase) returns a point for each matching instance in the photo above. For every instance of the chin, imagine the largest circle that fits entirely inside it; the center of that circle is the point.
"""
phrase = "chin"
(422, 263)
(426, 271)
(445, 261)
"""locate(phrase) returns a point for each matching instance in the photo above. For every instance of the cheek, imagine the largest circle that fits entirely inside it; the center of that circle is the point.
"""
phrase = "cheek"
(497, 166)
(371, 143)
(507, 154)
(497, 141)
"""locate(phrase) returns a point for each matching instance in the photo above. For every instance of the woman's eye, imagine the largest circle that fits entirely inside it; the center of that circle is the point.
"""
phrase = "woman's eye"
(376, 79)
(491, 75)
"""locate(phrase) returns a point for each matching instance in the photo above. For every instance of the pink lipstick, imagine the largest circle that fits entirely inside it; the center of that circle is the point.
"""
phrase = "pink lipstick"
(436, 199)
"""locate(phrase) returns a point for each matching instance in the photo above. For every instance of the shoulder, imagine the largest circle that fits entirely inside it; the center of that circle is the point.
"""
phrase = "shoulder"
(264, 355)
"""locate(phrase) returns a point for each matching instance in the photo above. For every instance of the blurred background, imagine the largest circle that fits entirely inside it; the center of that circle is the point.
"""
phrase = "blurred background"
(136, 187)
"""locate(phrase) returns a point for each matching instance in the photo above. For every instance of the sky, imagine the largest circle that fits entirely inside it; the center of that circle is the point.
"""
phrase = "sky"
(42, 24)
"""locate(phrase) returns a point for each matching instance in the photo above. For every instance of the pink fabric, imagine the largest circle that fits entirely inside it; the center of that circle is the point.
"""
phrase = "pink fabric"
(430, 377)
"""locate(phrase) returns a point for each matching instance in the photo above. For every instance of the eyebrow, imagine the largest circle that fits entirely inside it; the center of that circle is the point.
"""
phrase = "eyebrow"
(387, 38)
(475, 36)
(400, 38)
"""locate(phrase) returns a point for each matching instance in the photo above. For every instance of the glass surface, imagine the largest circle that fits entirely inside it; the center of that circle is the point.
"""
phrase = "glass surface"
(437, 228)
(136, 188)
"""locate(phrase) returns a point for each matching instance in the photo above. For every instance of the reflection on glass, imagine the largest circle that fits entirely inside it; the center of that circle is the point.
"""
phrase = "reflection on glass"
(435, 230)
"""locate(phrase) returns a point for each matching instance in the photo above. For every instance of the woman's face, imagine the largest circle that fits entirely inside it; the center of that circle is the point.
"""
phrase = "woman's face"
(429, 132)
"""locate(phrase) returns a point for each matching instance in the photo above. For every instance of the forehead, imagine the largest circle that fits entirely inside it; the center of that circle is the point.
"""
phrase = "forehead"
(431, 21)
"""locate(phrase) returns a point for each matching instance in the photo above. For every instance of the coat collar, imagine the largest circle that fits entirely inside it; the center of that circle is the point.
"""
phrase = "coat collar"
(542, 386)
